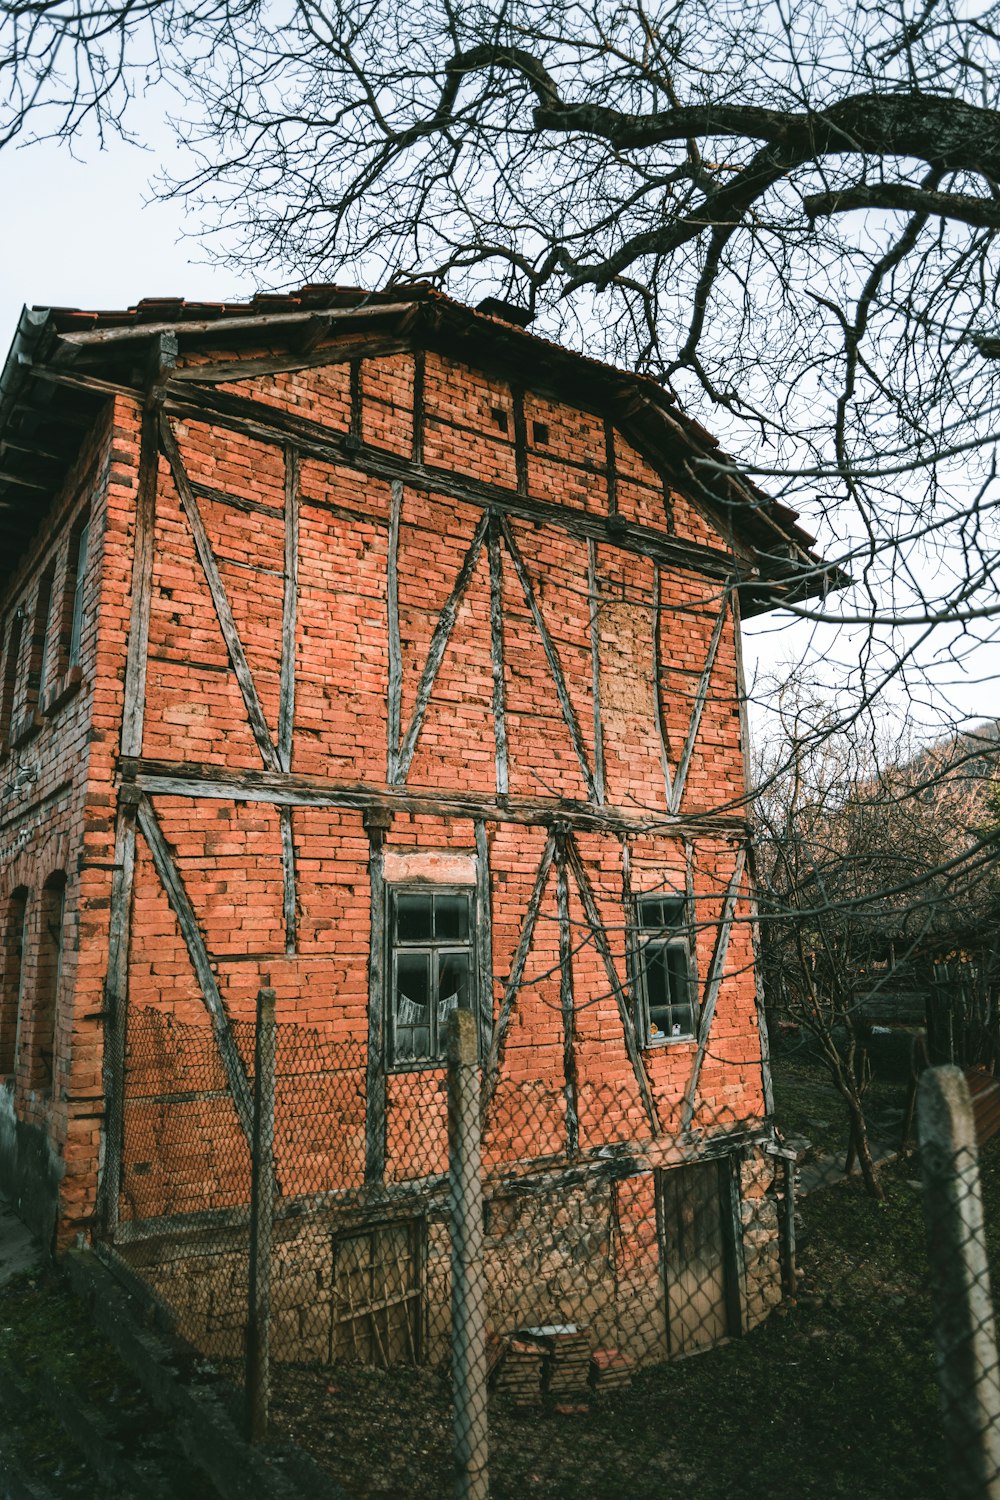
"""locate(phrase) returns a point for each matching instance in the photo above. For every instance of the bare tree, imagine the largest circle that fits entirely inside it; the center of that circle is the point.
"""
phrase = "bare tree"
(868, 859)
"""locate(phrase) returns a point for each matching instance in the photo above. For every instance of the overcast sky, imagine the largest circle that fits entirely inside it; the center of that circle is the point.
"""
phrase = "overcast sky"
(80, 232)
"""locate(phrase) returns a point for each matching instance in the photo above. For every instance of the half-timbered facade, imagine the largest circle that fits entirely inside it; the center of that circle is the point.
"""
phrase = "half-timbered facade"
(375, 650)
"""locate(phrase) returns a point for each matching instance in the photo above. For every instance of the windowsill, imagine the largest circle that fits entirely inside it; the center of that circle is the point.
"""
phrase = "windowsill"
(69, 683)
(652, 1044)
(435, 1065)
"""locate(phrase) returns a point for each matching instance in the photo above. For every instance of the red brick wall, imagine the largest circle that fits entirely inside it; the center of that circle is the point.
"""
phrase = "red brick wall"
(229, 853)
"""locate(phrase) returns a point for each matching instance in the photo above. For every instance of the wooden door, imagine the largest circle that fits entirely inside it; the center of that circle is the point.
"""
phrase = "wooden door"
(695, 1260)
(377, 1296)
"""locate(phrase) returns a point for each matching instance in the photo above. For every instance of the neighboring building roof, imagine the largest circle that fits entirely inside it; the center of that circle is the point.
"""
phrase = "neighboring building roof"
(43, 416)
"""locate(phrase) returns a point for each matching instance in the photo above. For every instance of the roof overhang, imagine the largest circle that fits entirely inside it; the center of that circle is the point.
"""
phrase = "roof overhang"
(45, 413)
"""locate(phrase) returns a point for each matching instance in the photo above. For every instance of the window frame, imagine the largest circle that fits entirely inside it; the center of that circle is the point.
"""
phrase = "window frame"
(673, 938)
(437, 948)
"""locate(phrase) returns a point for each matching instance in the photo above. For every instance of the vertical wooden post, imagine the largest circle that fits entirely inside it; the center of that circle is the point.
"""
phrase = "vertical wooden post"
(468, 1288)
(258, 1374)
(964, 1332)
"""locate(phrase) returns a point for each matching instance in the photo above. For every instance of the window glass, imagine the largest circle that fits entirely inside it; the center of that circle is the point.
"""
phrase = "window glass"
(664, 1000)
(430, 971)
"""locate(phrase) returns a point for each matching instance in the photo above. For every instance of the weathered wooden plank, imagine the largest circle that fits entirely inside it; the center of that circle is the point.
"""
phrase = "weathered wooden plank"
(566, 998)
(236, 502)
(180, 901)
(286, 710)
(225, 371)
(713, 984)
(185, 779)
(290, 910)
(594, 598)
(419, 404)
(394, 704)
(116, 1006)
(357, 419)
(375, 1073)
(227, 624)
(439, 643)
(484, 937)
(692, 910)
(136, 653)
(551, 656)
(338, 317)
(661, 720)
(611, 466)
(497, 658)
(701, 697)
(520, 439)
(270, 425)
(625, 1008)
(493, 1061)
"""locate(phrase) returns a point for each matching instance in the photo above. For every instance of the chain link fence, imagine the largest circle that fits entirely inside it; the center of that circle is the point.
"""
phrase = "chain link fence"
(426, 1320)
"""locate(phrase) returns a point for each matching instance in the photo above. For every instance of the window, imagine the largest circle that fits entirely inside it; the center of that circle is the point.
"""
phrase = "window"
(41, 639)
(13, 978)
(430, 970)
(48, 975)
(75, 579)
(665, 1000)
(11, 662)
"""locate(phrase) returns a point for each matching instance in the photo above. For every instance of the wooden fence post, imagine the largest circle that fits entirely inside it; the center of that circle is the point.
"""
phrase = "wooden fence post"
(258, 1371)
(468, 1292)
(964, 1332)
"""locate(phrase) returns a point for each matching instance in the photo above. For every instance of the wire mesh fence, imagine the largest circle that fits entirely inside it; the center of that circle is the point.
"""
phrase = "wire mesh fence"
(428, 1324)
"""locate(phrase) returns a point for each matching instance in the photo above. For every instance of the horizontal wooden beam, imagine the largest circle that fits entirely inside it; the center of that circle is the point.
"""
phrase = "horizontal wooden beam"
(269, 425)
(160, 778)
(132, 331)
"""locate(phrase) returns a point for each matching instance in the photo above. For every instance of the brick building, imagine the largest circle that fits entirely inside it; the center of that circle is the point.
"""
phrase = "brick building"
(373, 648)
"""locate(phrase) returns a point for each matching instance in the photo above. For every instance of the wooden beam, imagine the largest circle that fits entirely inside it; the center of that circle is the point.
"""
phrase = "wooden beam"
(611, 466)
(268, 424)
(713, 984)
(566, 998)
(224, 372)
(419, 404)
(551, 656)
(137, 649)
(484, 938)
(286, 710)
(497, 658)
(289, 902)
(439, 643)
(227, 624)
(701, 696)
(375, 1073)
(186, 779)
(180, 901)
(593, 595)
(661, 720)
(116, 1010)
(495, 1058)
(625, 1008)
(236, 502)
(394, 705)
(251, 323)
(520, 440)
